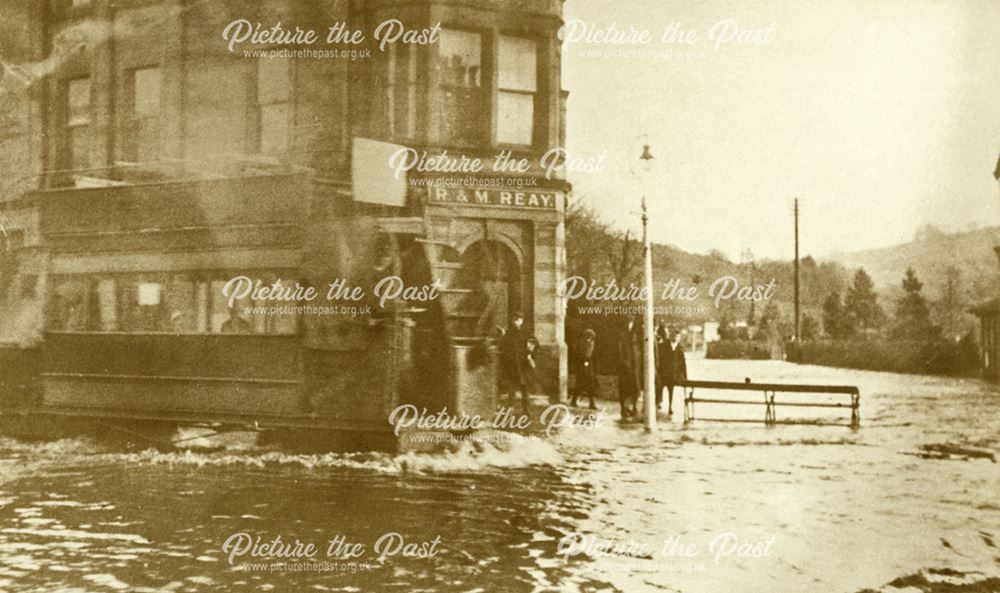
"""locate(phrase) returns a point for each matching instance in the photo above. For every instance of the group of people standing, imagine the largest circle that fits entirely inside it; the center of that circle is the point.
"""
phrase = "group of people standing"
(671, 366)
(517, 364)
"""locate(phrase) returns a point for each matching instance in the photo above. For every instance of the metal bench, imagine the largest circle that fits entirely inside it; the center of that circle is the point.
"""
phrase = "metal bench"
(769, 391)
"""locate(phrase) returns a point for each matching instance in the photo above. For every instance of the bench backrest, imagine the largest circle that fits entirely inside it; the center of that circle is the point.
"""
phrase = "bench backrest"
(786, 387)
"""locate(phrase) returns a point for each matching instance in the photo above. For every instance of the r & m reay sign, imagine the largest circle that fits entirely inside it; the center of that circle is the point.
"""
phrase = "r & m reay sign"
(502, 198)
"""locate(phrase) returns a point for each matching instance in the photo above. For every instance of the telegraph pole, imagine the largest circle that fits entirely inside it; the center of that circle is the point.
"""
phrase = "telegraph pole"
(798, 334)
(746, 256)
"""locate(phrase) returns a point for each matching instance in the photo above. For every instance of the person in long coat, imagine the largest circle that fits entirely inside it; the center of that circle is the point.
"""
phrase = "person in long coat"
(629, 367)
(663, 354)
(515, 365)
(672, 369)
(584, 367)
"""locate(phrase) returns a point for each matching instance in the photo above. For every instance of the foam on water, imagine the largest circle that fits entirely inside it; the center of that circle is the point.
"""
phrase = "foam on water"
(459, 456)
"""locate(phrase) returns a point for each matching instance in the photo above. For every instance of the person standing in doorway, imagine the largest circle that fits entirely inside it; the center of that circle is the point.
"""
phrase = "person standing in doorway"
(515, 364)
(585, 370)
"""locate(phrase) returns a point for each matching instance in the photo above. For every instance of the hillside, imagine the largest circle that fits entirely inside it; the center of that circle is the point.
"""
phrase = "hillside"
(970, 252)
(932, 255)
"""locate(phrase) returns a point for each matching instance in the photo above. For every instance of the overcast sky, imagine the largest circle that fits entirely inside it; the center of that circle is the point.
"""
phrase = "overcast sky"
(880, 116)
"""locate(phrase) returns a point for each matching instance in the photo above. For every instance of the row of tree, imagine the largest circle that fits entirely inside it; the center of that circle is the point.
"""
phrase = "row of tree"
(859, 312)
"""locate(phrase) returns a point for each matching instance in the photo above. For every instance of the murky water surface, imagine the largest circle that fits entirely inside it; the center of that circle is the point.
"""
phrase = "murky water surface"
(911, 501)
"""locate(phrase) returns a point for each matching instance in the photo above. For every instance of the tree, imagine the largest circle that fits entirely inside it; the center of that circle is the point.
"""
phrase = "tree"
(716, 254)
(587, 239)
(729, 313)
(913, 317)
(836, 322)
(593, 249)
(623, 257)
(773, 321)
(929, 232)
(951, 305)
(861, 302)
(809, 328)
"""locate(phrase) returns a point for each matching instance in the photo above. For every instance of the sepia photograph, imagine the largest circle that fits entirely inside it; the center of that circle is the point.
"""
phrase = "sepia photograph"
(499, 296)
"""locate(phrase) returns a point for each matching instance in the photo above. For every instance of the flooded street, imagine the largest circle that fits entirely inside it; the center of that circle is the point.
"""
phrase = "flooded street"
(911, 499)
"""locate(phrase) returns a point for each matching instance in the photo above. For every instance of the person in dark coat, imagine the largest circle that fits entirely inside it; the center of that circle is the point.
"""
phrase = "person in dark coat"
(672, 370)
(585, 370)
(515, 363)
(662, 337)
(629, 367)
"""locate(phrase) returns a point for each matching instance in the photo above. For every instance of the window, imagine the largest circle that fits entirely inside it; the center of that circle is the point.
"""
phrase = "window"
(144, 138)
(518, 80)
(148, 294)
(178, 303)
(401, 87)
(68, 305)
(459, 70)
(77, 107)
(107, 305)
(248, 315)
(273, 81)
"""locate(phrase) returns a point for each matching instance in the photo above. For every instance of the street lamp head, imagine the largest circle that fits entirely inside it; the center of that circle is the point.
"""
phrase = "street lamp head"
(645, 161)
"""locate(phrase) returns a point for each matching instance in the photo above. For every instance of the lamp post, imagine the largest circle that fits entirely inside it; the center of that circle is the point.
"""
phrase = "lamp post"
(649, 393)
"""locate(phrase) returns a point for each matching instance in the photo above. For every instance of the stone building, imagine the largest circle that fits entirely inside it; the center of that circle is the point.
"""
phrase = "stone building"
(155, 161)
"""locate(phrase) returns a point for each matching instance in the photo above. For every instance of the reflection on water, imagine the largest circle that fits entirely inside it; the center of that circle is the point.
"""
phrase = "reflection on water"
(909, 500)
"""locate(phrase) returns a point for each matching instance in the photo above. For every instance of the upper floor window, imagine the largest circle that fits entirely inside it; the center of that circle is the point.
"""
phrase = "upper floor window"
(145, 123)
(459, 70)
(273, 112)
(77, 136)
(517, 85)
(401, 90)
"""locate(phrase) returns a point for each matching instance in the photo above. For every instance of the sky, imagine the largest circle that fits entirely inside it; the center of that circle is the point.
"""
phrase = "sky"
(880, 116)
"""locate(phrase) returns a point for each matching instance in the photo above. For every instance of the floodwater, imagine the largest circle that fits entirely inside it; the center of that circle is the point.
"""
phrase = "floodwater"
(908, 502)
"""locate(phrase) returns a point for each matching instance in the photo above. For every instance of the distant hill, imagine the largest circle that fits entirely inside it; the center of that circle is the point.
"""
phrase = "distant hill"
(966, 258)
(931, 255)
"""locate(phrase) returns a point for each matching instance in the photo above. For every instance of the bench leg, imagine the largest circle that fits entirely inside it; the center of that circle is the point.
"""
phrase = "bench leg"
(769, 408)
(688, 404)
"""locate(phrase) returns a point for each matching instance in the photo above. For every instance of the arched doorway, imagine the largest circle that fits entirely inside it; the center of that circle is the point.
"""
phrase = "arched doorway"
(492, 272)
